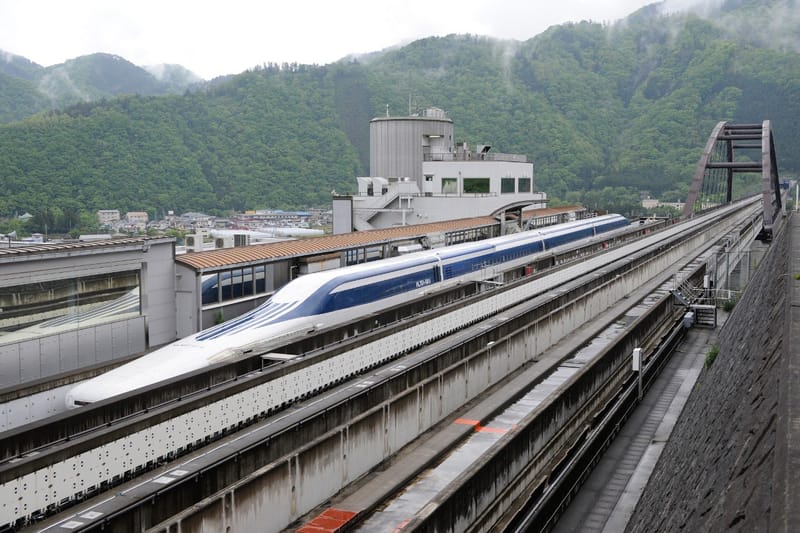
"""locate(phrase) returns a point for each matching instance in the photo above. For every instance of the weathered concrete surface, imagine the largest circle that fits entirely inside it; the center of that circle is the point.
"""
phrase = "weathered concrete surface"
(732, 461)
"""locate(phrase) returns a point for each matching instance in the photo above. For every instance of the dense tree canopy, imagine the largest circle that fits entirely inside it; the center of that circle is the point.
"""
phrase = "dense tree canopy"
(606, 112)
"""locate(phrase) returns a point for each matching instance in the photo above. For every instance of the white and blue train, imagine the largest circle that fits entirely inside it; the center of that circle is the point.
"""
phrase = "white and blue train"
(335, 297)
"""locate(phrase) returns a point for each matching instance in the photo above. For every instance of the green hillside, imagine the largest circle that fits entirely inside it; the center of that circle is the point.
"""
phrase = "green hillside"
(606, 112)
(27, 88)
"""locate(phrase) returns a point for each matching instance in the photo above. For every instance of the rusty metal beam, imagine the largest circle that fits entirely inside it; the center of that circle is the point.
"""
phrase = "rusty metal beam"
(700, 170)
(737, 165)
(720, 155)
(770, 184)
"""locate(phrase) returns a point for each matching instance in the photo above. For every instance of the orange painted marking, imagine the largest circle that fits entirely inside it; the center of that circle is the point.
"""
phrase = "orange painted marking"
(403, 524)
(478, 426)
(329, 521)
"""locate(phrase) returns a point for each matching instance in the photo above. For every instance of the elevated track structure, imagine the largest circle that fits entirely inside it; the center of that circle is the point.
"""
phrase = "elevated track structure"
(264, 443)
(166, 458)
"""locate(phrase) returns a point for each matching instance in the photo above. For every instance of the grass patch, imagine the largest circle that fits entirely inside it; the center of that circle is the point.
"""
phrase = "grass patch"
(711, 355)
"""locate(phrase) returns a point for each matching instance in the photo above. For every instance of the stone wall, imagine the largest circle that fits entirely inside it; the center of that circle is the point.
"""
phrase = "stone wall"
(716, 472)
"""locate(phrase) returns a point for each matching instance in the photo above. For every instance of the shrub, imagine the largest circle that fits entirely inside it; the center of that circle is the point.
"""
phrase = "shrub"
(711, 355)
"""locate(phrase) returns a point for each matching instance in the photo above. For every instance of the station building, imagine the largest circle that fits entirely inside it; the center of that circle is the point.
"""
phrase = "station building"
(74, 307)
(419, 174)
(68, 307)
(77, 305)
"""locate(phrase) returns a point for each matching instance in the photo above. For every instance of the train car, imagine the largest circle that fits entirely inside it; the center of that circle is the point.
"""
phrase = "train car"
(335, 297)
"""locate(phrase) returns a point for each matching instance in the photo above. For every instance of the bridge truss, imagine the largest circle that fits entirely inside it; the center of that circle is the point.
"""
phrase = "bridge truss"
(732, 149)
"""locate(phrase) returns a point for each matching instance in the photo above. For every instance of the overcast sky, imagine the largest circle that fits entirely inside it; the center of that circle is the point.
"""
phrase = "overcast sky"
(229, 36)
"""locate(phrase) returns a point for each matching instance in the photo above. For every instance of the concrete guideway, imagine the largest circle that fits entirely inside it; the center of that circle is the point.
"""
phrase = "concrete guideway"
(607, 499)
(372, 493)
(625, 287)
(423, 452)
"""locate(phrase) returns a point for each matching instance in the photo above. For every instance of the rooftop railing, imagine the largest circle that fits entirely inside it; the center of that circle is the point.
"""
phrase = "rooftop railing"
(471, 156)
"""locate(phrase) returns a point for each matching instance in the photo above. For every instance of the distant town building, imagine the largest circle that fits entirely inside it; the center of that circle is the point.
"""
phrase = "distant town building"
(263, 218)
(108, 217)
(194, 219)
(652, 203)
(136, 219)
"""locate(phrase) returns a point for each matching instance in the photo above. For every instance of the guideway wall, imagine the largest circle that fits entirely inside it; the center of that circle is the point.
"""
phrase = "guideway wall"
(292, 485)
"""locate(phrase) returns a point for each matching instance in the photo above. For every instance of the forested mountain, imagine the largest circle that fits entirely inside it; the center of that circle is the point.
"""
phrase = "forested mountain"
(27, 88)
(606, 112)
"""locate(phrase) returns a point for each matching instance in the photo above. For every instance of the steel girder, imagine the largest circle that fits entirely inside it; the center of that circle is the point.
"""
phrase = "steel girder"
(719, 156)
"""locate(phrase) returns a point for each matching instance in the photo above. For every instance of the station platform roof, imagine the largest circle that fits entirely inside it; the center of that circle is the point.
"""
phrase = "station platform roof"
(227, 257)
(29, 251)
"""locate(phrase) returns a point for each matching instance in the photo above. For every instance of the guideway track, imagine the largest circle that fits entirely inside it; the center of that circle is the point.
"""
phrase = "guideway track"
(493, 300)
(16, 442)
(495, 416)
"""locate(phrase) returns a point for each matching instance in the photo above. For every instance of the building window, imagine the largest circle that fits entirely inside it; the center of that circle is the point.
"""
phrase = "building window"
(260, 279)
(524, 185)
(507, 186)
(234, 283)
(476, 185)
(237, 284)
(449, 185)
(55, 306)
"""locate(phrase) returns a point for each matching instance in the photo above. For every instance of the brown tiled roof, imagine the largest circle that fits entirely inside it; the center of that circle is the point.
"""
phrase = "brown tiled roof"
(328, 243)
(550, 211)
(213, 259)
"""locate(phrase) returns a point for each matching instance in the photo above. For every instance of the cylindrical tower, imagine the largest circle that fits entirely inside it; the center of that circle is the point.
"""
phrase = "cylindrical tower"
(398, 145)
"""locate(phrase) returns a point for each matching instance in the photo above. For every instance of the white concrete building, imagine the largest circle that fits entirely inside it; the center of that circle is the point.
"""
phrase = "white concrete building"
(418, 175)
(108, 217)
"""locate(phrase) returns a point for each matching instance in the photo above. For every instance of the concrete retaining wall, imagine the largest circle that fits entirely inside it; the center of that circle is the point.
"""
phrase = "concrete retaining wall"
(719, 469)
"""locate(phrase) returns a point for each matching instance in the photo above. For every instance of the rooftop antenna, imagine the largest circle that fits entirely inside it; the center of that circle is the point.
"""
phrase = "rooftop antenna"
(387, 110)
(413, 106)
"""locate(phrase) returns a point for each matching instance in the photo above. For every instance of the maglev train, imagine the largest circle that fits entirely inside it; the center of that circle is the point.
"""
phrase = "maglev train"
(334, 297)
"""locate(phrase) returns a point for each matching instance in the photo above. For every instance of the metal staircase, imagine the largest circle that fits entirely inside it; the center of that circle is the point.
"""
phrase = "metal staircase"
(700, 302)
